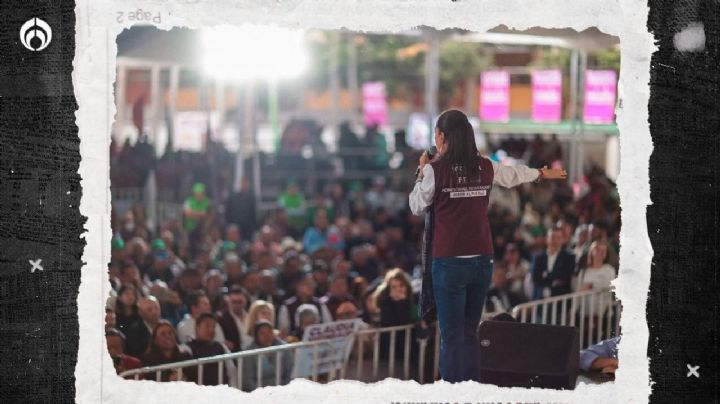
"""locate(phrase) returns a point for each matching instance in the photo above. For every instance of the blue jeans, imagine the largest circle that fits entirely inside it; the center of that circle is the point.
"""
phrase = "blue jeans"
(460, 286)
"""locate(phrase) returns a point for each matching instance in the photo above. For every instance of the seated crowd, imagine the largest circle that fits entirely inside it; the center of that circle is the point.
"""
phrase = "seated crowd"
(211, 282)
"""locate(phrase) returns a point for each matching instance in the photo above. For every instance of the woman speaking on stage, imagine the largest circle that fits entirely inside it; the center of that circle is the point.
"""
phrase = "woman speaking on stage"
(456, 184)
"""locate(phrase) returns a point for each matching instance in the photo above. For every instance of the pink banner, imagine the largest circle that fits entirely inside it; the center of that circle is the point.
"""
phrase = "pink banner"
(600, 89)
(495, 96)
(375, 109)
(546, 95)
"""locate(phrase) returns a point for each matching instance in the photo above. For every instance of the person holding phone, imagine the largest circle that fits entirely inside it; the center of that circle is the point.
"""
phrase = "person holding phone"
(457, 184)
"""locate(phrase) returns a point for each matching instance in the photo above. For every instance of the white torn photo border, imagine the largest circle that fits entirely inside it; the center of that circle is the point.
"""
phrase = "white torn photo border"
(96, 29)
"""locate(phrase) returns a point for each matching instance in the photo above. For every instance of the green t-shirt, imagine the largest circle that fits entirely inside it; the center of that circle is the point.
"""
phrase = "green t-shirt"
(196, 205)
(294, 205)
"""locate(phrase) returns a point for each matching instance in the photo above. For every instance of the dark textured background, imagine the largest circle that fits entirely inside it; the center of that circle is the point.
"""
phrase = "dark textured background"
(683, 222)
(39, 158)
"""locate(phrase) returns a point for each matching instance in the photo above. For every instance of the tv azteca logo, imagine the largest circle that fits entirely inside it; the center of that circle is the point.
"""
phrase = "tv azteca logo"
(35, 34)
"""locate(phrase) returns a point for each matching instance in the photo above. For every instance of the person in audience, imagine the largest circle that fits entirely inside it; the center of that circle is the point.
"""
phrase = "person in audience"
(199, 303)
(293, 202)
(291, 272)
(394, 299)
(305, 316)
(116, 346)
(363, 263)
(251, 284)
(338, 294)
(139, 333)
(266, 242)
(596, 276)
(597, 273)
(260, 310)
(126, 308)
(371, 312)
(304, 294)
(164, 266)
(213, 282)
(130, 275)
(138, 253)
(189, 282)
(264, 337)
(172, 307)
(500, 298)
(321, 277)
(196, 207)
(552, 269)
(117, 250)
(109, 318)
(268, 287)
(234, 320)
(234, 269)
(602, 357)
(317, 236)
(342, 267)
(203, 346)
(240, 209)
(600, 232)
(581, 245)
(518, 269)
(164, 348)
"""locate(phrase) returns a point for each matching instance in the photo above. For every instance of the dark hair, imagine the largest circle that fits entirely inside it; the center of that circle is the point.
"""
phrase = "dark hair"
(260, 324)
(125, 266)
(194, 297)
(152, 348)
(460, 139)
(190, 272)
(250, 271)
(335, 277)
(554, 229)
(114, 332)
(319, 266)
(119, 305)
(398, 274)
(238, 290)
(204, 317)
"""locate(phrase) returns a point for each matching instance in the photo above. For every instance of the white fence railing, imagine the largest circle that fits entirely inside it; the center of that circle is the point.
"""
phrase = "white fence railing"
(239, 379)
(596, 313)
(397, 351)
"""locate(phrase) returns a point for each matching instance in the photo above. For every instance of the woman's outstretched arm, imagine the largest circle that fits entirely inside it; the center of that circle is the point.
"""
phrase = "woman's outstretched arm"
(512, 176)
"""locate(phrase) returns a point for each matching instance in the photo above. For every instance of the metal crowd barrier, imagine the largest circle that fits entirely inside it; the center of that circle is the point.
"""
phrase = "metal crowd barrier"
(580, 309)
(596, 313)
(239, 358)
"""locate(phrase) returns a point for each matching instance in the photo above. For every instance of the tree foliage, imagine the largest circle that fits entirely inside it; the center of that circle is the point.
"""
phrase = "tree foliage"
(460, 61)
(398, 61)
(608, 59)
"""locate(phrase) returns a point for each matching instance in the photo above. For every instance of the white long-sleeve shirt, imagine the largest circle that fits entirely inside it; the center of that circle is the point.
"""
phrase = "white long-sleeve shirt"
(506, 176)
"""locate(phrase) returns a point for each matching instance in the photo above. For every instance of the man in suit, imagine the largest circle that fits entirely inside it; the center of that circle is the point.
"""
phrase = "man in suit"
(552, 269)
(233, 320)
(138, 335)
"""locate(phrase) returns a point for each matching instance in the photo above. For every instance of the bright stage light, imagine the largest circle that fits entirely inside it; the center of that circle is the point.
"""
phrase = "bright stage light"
(253, 52)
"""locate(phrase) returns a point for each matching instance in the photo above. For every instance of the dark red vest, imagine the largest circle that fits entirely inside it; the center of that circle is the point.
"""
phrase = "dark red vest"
(461, 205)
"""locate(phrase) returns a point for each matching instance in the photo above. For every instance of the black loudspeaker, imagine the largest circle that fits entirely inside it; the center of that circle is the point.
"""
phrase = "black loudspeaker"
(516, 354)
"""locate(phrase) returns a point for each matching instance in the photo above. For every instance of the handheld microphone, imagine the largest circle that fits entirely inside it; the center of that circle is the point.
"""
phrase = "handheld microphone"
(431, 152)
